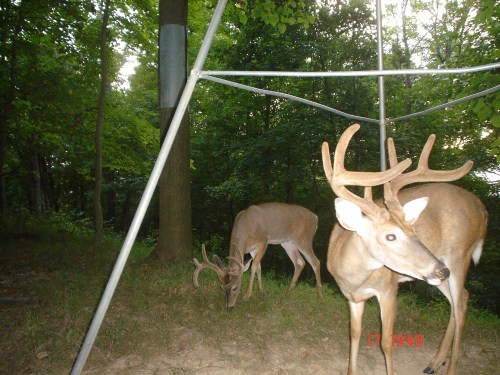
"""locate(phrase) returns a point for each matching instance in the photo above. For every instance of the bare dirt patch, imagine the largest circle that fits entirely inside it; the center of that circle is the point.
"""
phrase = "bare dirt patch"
(193, 353)
(317, 343)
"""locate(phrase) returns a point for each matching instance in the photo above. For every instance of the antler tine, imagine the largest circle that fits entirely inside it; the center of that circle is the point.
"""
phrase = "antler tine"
(206, 264)
(339, 177)
(393, 157)
(368, 193)
(423, 173)
(327, 162)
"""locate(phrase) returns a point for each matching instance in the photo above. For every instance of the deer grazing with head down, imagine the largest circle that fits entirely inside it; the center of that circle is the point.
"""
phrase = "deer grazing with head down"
(291, 226)
(429, 232)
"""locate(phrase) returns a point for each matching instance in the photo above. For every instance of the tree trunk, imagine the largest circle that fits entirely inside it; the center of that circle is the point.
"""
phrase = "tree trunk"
(33, 182)
(407, 62)
(10, 96)
(267, 162)
(125, 213)
(98, 220)
(111, 199)
(175, 238)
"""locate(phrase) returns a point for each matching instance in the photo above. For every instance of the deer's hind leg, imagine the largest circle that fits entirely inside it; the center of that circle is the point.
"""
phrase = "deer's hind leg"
(458, 302)
(460, 297)
(305, 247)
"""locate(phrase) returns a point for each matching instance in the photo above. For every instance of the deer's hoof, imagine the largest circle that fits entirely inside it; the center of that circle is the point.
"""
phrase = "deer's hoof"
(428, 370)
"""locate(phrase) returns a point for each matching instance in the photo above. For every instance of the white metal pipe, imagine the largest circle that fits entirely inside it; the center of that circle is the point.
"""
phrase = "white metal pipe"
(148, 192)
(445, 105)
(287, 96)
(356, 73)
(381, 86)
(343, 114)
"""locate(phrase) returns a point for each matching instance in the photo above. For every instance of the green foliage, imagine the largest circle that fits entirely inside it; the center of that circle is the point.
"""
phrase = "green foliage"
(278, 15)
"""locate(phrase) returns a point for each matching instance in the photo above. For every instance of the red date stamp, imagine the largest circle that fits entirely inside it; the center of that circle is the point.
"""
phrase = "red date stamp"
(397, 340)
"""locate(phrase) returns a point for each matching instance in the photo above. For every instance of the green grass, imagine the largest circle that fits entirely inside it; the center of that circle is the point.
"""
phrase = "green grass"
(153, 305)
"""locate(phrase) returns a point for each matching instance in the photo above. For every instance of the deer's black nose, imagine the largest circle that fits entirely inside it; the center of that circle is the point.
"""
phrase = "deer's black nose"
(442, 272)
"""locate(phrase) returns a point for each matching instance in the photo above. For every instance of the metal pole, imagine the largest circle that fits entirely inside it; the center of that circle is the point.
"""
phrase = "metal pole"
(343, 114)
(288, 96)
(381, 88)
(354, 73)
(148, 192)
(446, 105)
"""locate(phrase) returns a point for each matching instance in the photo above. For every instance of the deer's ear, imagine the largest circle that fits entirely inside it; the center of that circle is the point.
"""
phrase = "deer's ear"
(247, 265)
(349, 215)
(219, 263)
(414, 208)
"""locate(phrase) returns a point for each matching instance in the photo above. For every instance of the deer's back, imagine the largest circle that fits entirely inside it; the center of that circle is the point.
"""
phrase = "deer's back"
(274, 222)
(454, 220)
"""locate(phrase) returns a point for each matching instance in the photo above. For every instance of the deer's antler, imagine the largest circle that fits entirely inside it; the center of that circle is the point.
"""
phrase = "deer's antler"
(339, 177)
(218, 268)
(422, 173)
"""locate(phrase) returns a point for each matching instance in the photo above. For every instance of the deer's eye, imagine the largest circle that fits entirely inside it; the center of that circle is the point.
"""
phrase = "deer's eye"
(390, 237)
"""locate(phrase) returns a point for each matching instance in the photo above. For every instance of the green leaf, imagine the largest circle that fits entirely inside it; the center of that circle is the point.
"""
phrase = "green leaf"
(243, 18)
(479, 105)
(495, 120)
(484, 113)
(273, 19)
(496, 143)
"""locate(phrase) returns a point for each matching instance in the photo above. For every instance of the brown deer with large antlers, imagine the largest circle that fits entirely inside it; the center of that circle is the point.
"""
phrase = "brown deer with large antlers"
(291, 226)
(430, 232)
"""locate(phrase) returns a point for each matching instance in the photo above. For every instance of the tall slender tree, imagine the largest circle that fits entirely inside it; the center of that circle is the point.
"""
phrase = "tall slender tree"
(98, 218)
(9, 95)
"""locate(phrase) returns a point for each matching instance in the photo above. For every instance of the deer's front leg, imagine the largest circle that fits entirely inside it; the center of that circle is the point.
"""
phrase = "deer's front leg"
(298, 262)
(387, 303)
(255, 268)
(356, 319)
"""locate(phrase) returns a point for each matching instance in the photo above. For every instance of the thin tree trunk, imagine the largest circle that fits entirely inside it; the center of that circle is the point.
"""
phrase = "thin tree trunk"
(35, 183)
(267, 151)
(7, 107)
(98, 220)
(406, 61)
(111, 199)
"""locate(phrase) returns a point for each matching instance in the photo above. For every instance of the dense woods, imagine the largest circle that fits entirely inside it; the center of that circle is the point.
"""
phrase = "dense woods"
(245, 148)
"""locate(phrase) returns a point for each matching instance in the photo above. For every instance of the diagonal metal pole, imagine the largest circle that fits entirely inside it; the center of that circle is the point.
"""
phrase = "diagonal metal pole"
(148, 192)
(381, 88)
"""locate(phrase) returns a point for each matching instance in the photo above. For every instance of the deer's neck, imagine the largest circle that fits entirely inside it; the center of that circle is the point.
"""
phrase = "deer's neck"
(352, 265)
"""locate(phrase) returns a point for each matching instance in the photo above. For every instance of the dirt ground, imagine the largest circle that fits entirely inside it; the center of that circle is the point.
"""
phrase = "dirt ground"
(193, 354)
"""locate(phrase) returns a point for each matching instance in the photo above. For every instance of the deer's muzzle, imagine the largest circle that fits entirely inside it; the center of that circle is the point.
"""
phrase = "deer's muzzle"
(442, 272)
